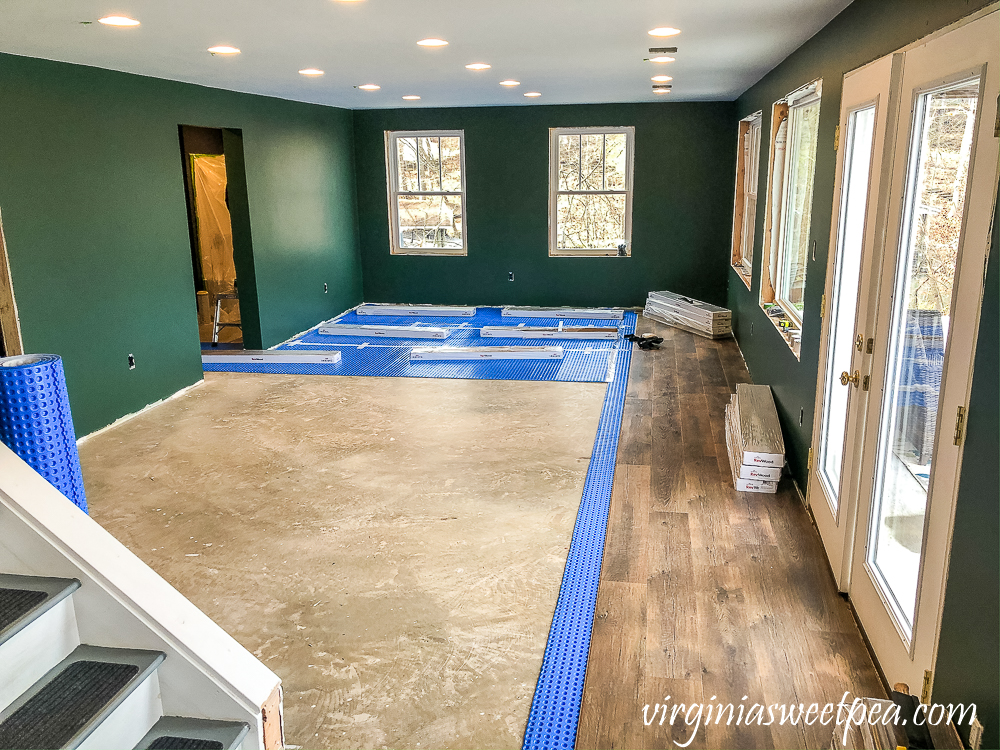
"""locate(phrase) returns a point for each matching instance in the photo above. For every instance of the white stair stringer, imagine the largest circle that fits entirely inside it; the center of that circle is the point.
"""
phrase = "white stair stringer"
(122, 603)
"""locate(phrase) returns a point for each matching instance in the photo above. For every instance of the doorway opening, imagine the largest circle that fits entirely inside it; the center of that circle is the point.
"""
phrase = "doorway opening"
(10, 328)
(210, 224)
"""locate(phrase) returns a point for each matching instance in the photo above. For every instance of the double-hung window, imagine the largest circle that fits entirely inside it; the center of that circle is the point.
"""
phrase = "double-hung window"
(590, 191)
(795, 130)
(426, 192)
(745, 208)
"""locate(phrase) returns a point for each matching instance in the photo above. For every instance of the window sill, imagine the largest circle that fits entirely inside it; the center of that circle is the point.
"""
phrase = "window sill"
(587, 254)
(432, 252)
(788, 328)
(744, 275)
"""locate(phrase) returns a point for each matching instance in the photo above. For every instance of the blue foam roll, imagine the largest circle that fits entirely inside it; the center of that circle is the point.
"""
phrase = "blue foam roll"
(36, 423)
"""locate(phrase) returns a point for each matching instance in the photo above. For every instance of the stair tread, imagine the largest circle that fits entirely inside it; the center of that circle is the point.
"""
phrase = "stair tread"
(67, 704)
(25, 598)
(183, 733)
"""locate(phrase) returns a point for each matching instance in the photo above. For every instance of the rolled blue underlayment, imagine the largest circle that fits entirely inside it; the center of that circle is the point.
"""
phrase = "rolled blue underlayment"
(36, 423)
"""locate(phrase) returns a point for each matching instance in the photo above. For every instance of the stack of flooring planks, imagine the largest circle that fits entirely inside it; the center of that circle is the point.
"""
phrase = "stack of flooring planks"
(753, 437)
(689, 314)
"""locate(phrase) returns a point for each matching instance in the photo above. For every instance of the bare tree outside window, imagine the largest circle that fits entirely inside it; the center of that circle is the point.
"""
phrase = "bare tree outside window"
(591, 191)
(427, 192)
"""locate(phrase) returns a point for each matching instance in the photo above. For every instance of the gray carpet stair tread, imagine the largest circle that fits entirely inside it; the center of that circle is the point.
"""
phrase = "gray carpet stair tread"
(182, 733)
(167, 742)
(25, 598)
(70, 701)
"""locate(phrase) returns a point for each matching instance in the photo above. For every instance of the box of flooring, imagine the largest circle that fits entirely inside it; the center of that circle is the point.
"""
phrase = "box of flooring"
(753, 438)
(689, 314)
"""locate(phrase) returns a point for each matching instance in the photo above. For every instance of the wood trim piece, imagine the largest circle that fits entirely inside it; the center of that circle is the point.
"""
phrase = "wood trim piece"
(10, 326)
(778, 115)
(272, 721)
(739, 201)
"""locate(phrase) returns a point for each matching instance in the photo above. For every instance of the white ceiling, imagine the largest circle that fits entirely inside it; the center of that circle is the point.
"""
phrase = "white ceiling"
(572, 51)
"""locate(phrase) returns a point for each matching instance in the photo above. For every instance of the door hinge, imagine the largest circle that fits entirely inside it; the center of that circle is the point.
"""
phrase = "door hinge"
(822, 307)
(809, 461)
(960, 425)
(866, 382)
(996, 127)
(836, 139)
(925, 690)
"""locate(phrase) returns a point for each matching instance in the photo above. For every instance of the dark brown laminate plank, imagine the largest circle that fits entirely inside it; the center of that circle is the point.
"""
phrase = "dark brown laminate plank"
(625, 556)
(722, 593)
(635, 439)
(611, 717)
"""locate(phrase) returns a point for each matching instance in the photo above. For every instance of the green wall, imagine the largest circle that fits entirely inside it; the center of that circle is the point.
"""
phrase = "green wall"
(93, 209)
(682, 212)
(967, 668)
(969, 650)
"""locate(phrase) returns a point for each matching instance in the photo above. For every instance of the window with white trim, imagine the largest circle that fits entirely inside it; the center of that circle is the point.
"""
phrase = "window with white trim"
(426, 174)
(745, 208)
(794, 137)
(590, 191)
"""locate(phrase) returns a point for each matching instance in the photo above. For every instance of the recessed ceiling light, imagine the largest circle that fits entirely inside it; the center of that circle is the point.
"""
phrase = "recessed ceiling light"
(118, 21)
(479, 66)
(510, 82)
(411, 97)
(661, 79)
(368, 87)
(661, 59)
(532, 93)
(432, 42)
(224, 49)
(311, 72)
(664, 31)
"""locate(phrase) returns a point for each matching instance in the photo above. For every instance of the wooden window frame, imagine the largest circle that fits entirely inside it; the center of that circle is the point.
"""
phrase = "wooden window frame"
(779, 163)
(554, 192)
(747, 177)
(392, 184)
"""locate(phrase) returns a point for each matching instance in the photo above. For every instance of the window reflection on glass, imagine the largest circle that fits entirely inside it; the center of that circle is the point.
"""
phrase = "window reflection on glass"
(941, 148)
(847, 275)
(804, 129)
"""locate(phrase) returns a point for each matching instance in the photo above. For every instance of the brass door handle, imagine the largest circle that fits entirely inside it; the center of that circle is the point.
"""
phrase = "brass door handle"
(845, 378)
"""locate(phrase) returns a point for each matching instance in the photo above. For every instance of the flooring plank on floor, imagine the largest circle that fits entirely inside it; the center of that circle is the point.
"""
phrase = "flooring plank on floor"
(737, 606)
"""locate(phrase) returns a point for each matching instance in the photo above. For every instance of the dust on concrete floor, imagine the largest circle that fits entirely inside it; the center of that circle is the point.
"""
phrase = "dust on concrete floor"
(391, 547)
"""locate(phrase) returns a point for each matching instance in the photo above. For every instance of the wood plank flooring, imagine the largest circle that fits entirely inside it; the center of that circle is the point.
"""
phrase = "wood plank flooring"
(708, 595)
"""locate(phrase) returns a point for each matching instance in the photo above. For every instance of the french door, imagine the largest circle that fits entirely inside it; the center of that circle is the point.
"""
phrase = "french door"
(904, 360)
(849, 319)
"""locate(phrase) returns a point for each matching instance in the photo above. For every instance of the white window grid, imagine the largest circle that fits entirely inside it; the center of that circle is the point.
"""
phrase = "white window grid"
(805, 96)
(555, 192)
(392, 162)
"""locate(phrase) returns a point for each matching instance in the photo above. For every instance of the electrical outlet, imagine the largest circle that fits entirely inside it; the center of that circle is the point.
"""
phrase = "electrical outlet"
(510, 276)
(131, 361)
(976, 734)
(325, 288)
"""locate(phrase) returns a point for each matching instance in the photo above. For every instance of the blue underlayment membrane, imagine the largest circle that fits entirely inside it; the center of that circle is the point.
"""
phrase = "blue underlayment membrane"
(583, 361)
(555, 708)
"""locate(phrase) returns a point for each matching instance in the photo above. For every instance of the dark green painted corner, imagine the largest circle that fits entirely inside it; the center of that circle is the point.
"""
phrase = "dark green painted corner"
(681, 217)
(94, 215)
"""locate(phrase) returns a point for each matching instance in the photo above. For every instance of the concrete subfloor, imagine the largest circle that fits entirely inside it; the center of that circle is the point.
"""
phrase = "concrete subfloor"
(391, 547)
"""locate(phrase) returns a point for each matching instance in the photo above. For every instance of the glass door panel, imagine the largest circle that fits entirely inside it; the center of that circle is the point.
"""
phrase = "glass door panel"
(843, 308)
(943, 127)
